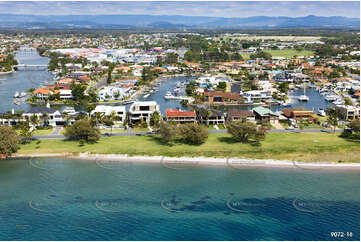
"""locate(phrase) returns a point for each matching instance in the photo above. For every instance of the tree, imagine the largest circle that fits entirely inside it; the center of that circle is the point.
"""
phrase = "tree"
(45, 118)
(167, 131)
(77, 90)
(82, 130)
(26, 131)
(222, 86)
(109, 120)
(10, 140)
(193, 133)
(155, 119)
(245, 132)
(348, 101)
(332, 118)
(34, 120)
(284, 87)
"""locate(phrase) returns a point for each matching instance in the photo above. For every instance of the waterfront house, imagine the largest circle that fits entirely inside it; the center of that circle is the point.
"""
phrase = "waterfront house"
(221, 97)
(299, 114)
(180, 116)
(265, 115)
(119, 111)
(112, 93)
(210, 116)
(47, 115)
(142, 111)
(349, 112)
(239, 115)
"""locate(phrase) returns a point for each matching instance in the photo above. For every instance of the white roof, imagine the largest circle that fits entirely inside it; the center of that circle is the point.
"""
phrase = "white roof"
(107, 110)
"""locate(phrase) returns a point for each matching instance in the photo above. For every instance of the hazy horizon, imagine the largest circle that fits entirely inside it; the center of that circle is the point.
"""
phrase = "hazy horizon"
(349, 9)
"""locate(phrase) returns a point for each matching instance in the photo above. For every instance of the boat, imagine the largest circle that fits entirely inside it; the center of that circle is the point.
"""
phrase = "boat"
(303, 98)
(22, 94)
(16, 102)
(146, 95)
(178, 84)
(338, 102)
(321, 112)
(176, 91)
(331, 97)
(16, 95)
(128, 102)
(168, 95)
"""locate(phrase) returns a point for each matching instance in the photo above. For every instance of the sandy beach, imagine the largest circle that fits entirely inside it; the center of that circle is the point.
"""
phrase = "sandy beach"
(236, 163)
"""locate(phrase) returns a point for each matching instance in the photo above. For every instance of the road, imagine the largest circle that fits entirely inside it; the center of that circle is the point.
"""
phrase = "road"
(60, 136)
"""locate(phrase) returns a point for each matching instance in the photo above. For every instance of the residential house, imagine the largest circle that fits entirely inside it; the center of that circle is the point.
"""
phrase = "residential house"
(239, 115)
(265, 115)
(180, 116)
(46, 115)
(119, 111)
(349, 112)
(221, 97)
(299, 114)
(142, 111)
(210, 116)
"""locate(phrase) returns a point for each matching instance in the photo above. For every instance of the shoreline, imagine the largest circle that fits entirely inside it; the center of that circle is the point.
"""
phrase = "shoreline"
(236, 163)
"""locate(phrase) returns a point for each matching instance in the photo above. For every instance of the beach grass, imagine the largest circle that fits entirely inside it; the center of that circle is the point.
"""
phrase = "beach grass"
(311, 147)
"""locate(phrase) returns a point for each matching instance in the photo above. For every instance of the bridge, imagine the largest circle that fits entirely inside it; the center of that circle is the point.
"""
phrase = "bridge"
(31, 67)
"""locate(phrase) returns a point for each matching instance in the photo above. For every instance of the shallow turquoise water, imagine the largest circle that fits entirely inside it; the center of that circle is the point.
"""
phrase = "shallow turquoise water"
(56, 199)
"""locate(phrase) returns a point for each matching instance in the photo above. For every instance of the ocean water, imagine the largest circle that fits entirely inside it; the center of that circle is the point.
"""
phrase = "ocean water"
(58, 199)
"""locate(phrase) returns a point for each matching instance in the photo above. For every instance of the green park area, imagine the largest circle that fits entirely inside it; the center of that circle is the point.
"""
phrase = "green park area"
(311, 147)
(289, 53)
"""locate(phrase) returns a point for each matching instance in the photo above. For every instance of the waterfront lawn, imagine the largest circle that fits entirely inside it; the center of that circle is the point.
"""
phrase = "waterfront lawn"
(313, 147)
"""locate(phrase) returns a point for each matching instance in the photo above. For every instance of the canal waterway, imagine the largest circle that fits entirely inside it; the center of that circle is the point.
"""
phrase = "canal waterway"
(20, 81)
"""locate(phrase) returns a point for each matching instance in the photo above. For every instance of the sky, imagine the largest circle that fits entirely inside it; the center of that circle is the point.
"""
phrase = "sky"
(188, 8)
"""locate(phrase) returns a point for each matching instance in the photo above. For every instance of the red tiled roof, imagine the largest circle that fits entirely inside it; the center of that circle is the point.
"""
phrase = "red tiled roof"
(179, 113)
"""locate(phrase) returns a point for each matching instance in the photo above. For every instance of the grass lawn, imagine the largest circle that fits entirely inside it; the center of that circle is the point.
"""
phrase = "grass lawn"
(289, 53)
(39, 131)
(324, 147)
(140, 129)
(103, 131)
(43, 131)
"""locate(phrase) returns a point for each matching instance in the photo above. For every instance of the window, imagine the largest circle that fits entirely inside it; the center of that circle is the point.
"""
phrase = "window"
(144, 108)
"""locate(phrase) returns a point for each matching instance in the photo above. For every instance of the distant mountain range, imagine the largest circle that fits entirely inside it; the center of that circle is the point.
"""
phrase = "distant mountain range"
(12, 21)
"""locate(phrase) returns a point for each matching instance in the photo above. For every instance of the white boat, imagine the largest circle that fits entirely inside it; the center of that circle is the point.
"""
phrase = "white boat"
(146, 95)
(22, 94)
(168, 95)
(321, 112)
(16, 95)
(331, 97)
(303, 98)
(338, 102)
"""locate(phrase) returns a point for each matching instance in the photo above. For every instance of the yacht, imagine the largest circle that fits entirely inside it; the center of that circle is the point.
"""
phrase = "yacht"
(321, 112)
(168, 95)
(22, 94)
(330, 97)
(16, 95)
(303, 98)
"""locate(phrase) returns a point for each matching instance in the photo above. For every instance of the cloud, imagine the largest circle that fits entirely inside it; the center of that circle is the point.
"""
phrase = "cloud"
(216, 9)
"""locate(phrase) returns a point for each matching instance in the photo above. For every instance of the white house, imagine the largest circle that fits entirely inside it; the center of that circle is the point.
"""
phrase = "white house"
(119, 111)
(139, 111)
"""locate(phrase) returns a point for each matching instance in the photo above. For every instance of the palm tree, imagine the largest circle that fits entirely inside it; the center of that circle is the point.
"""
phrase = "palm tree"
(45, 118)
(34, 120)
